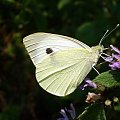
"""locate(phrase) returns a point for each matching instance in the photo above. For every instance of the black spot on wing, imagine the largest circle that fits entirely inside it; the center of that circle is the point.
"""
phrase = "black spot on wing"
(49, 50)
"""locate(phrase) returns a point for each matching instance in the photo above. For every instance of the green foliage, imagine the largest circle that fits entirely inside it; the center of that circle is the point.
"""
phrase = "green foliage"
(94, 112)
(62, 3)
(117, 107)
(108, 79)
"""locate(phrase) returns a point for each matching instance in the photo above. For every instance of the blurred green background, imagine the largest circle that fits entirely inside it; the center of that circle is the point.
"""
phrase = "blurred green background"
(21, 98)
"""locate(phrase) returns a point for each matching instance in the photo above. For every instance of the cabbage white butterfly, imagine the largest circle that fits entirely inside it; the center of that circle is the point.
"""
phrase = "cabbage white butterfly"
(61, 62)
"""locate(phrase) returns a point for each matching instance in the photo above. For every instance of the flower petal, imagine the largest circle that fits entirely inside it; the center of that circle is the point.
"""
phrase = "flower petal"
(115, 65)
(109, 59)
(116, 56)
(90, 83)
(115, 49)
(65, 117)
(72, 112)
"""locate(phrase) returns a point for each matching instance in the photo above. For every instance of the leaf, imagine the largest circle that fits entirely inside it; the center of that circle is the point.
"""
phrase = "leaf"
(117, 107)
(87, 32)
(92, 32)
(108, 79)
(93, 112)
(62, 3)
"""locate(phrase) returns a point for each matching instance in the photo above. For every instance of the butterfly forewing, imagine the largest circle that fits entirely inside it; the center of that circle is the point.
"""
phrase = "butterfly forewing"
(37, 44)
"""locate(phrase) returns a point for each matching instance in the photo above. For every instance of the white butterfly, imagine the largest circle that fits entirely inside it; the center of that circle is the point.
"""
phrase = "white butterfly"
(61, 62)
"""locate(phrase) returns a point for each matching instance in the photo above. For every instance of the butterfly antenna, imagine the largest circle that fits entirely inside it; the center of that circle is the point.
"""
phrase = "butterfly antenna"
(106, 35)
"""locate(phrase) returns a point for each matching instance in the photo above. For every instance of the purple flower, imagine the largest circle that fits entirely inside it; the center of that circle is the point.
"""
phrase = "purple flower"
(71, 111)
(115, 65)
(115, 49)
(114, 60)
(88, 83)
(109, 59)
(63, 113)
(116, 56)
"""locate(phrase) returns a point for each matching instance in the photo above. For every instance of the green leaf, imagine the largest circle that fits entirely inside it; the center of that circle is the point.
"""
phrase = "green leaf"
(62, 3)
(108, 79)
(93, 112)
(86, 32)
(117, 107)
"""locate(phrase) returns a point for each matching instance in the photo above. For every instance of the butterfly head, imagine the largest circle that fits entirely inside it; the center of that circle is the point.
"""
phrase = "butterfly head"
(98, 49)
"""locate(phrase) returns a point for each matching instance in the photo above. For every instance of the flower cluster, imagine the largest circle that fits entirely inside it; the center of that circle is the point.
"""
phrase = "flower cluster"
(114, 59)
(71, 111)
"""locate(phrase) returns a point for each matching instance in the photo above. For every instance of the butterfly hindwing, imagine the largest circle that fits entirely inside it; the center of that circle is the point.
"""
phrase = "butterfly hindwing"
(60, 73)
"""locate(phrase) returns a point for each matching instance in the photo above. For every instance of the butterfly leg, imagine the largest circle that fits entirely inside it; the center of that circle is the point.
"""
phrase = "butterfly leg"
(96, 70)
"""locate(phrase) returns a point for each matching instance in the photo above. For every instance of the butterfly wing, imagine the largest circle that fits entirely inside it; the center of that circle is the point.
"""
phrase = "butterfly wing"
(37, 43)
(60, 73)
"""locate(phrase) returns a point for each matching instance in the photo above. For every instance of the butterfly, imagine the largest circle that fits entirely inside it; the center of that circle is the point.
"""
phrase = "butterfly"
(61, 62)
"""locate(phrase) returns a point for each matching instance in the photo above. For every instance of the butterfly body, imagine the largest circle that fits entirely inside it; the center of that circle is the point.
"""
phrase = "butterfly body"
(64, 68)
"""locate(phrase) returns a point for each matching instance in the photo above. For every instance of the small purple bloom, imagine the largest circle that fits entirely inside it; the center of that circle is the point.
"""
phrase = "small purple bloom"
(115, 49)
(114, 60)
(116, 56)
(71, 111)
(63, 113)
(88, 83)
(115, 65)
(109, 59)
